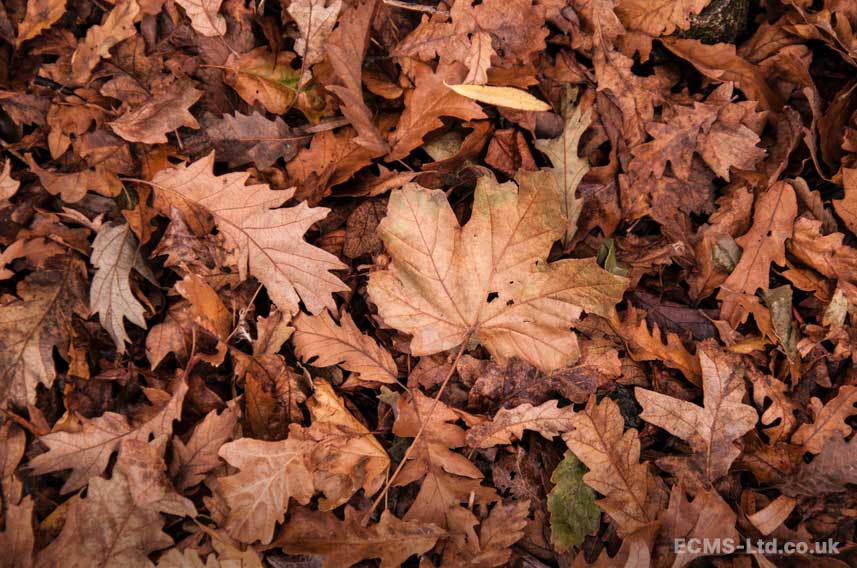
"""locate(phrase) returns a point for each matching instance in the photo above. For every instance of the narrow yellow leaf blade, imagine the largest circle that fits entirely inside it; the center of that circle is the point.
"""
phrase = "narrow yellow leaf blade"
(508, 97)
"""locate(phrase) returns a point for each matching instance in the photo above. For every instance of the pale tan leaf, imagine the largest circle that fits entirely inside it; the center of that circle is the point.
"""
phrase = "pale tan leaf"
(204, 16)
(658, 18)
(768, 519)
(8, 185)
(269, 239)
(507, 97)
(321, 342)
(315, 20)
(17, 540)
(509, 424)
(712, 429)
(117, 27)
(115, 253)
(489, 279)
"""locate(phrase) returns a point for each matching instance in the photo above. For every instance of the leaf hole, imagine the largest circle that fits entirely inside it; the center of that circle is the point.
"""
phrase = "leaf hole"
(491, 297)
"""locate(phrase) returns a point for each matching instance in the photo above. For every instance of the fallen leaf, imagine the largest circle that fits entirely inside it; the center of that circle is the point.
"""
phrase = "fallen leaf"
(259, 76)
(315, 20)
(194, 459)
(573, 512)
(507, 97)
(41, 15)
(509, 424)
(204, 16)
(250, 139)
(163, 113)
(658, 19)
(445, 287)
(829, 418)
(117, 27)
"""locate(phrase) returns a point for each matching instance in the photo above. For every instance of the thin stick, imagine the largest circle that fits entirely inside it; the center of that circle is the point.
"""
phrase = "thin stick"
(423, 423)
(415, 7)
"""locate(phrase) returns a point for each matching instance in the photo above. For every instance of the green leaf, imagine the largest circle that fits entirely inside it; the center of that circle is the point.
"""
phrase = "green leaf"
(607, 258)
(571, 503)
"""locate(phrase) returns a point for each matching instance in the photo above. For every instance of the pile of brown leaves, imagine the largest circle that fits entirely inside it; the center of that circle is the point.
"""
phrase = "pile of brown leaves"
(483, 283)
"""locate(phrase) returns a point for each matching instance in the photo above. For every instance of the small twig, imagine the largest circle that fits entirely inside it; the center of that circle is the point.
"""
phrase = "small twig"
(415, 7)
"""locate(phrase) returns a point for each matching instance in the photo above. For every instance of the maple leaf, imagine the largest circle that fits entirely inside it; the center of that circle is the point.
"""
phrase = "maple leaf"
(829, 418)
(119, 522)
(659, 18)
(241, 139)
(194, 459)
(321, 342)
(489, 279)
(41, 14)
(30, 327)
(291, 269)
(568, 168)
(115, 253)
(163, 113)
(631, 494)
(573, 512)
(763, 244)
(117, 27)
(347, 542)
(85, 447)
(711, 429)
(204, 16)
(424, 105)
(350, 38)
(315, 20)
(509, 424)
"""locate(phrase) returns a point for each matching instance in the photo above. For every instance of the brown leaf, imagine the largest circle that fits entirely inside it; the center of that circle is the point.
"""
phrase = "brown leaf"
(546, 419)
(272, 394)
(829, 418)
(345, 543)
(204, 16)
(631, 494)
(361, 235)
(18, 539)
(72, 187)
(8, 185)
(763, 244)
(503, 527)
(194, 459)
(445, 286)
(779, 418)
(658, 19)
(41, 14)
(85, 446)
(206, 306)
(242, 139)
(315, 20)
(846, 207)
(119, 522)
(711, 429)
(117, 27)
(291, 269)
(829, 472)
(259, 76)
(163, 113)
(321, 342)
(32, 326)
(825, 253)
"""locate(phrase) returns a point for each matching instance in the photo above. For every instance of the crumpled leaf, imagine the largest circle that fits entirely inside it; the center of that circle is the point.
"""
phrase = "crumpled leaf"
(828, 419)
(321, 342)
(191, 461)
(115, 253)
(163, 113)
(508, 424)
(658, 19)
(347, 542)
(573, 512)
(41, 15)
(259, 76)
(117, 27)
(489, 279)
(204, 16)
(711, 429)
(30, 327)
(291, 269)
(243, 139)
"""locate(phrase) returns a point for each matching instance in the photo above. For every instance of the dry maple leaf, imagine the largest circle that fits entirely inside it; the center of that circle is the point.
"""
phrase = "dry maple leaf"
(509, 424)
(117, 27)
(194, 459)
(568, 168)
(30, 327)
(242, 139)
(204, 16)
(631, 493)
(711, 429)
(85, 447)
(321, 342)
(829, 418)
(763, 244)
(119, 522)
(343, 543)
(269, 240)
(115, 253)
(163, 113)
(489, 279)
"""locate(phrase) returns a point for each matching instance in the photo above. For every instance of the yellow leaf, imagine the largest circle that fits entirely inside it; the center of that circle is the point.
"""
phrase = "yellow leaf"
(508, 97)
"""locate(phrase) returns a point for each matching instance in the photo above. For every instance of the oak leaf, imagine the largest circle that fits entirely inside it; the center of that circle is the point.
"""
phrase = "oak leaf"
(119, 522)
(831, 471)
(272, 394)
(343, 543)
(489, 279)
(504, 526)
(658, 18)
(191, 461)
(828, 419)
(321, 342)
(571, 503)
(30, 327)
(315, 20)
(204, 16)
(165, 112)
(825, 253)
(291, 269)
(711, 429)
(41, 14)
(631, 493)
(115, 253)
(117, 27)
(86, 446)
(509, 424)
(72, 187)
